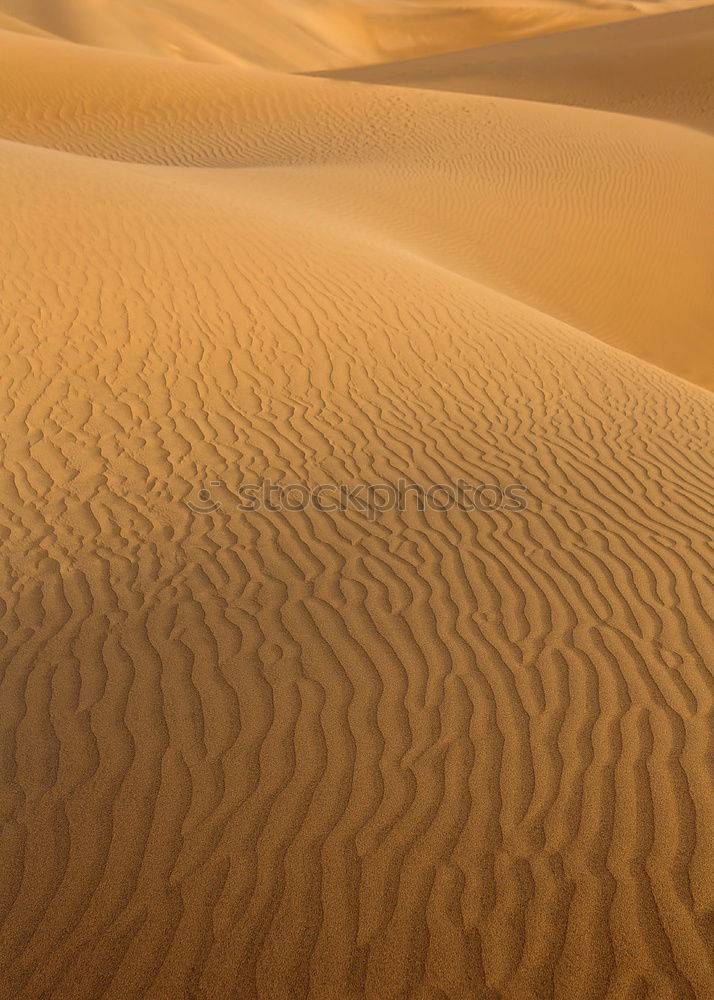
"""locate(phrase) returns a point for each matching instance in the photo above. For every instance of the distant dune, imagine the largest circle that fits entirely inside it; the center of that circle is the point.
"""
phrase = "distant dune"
(454, 753)
(658, 67)
(312, 34)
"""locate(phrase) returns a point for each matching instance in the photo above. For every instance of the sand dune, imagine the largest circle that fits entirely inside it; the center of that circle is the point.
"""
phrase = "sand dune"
(323, 753)
(584, 216)
(659, 67)
(312, 34)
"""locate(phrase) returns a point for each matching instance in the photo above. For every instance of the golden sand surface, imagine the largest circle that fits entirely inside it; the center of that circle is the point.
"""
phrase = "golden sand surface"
(343, 751)
(310, 34)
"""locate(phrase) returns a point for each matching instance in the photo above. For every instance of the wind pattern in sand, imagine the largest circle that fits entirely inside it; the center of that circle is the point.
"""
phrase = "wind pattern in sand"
(436, 755)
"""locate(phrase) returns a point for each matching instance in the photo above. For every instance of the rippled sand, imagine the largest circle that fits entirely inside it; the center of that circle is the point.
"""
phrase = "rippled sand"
(461, 754)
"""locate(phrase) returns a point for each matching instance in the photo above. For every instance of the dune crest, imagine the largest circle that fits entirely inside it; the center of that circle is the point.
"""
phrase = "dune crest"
(314, 752)
(655, 67)
(309, 34)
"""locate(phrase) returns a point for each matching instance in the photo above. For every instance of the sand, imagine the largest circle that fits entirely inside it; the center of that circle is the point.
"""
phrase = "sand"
(402, 754)
(655, 67)
(311, 34)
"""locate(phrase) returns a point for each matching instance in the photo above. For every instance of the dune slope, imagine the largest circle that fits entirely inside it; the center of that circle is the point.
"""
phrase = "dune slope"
(659, 67)
(585, 216)
(310, 34)
(341, 753)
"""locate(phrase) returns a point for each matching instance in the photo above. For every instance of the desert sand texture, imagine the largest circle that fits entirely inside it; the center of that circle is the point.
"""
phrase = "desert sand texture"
(655, 67)
(310, 34)
(339, 751)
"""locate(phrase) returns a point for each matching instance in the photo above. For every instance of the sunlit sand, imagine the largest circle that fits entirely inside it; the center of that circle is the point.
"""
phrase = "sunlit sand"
(446, 751)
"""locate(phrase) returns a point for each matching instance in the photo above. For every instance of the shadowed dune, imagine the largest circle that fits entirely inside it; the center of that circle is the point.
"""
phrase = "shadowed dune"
(310, 34)
(342, 753)
(583, 215)
(659, 67)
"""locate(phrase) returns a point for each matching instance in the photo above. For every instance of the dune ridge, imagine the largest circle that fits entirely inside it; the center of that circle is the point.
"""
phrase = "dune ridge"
(656, 67)
(328, 754)
(311, 34)
(620, 202)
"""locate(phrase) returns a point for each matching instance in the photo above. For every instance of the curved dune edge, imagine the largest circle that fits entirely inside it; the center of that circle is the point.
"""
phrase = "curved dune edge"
(311, 34)
(321, 754)
(581, 215)
(654, 67)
